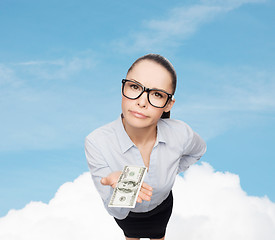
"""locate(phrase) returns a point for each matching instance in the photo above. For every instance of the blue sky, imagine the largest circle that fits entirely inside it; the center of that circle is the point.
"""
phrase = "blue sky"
(61, 65)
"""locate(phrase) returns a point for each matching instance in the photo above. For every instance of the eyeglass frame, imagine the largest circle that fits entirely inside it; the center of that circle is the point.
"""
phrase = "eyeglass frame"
(148, 90)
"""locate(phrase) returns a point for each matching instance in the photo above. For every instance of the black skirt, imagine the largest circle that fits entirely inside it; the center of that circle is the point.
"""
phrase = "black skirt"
(150, 224)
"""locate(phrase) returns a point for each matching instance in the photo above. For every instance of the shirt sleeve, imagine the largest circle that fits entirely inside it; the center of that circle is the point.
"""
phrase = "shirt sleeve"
(193, 151)
(99, 168)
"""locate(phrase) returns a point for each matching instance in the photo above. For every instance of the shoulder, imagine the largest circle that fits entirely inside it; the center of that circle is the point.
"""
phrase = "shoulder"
(174, 126)
(175, 132)
(102, 133)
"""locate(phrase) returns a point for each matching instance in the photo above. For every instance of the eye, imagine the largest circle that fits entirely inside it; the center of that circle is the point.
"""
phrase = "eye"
(157, 94)
(134, 86)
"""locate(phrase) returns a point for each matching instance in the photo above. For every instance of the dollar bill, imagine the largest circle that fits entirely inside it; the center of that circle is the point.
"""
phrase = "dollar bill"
(128, 186)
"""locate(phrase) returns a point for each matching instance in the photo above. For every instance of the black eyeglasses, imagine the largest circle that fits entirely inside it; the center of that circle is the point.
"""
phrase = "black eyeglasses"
(156, 97)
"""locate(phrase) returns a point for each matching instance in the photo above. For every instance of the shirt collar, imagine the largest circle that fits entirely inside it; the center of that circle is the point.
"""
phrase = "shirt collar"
(125, 141)
(160, 133)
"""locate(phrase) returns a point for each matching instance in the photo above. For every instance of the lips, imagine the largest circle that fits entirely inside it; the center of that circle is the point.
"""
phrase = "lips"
(138, 114)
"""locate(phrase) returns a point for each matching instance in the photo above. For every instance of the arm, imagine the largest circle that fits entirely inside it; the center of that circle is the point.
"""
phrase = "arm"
(194, 150)
(99, 169)
(105, 180)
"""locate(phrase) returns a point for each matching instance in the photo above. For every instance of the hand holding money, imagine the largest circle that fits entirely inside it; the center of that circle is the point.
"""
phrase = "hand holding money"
(145, 192)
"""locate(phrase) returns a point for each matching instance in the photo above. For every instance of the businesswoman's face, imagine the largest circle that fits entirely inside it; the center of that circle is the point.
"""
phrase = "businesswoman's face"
(145, 111)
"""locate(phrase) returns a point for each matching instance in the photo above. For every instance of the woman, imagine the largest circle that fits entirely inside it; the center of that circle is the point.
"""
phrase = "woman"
(144, 135)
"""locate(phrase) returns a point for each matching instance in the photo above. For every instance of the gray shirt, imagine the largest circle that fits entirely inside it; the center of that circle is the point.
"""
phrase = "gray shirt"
(109, 149)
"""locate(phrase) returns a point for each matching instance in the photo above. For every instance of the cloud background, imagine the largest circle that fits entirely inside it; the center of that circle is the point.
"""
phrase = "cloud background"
(207, 205)
(60, 70)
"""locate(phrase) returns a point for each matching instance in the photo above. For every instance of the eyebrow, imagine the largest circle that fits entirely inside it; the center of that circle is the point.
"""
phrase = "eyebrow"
(146, 87)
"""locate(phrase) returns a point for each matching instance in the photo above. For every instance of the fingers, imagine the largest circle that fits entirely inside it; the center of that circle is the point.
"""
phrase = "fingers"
(104, 181)
(139, 200)
(144, 196)
(145, 193)
(146, 186)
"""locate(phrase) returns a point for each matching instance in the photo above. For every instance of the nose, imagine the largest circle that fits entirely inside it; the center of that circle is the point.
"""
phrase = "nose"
(142, 101)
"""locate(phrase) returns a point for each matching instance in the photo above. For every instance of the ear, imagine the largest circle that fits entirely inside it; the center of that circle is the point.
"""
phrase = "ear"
(169, 105)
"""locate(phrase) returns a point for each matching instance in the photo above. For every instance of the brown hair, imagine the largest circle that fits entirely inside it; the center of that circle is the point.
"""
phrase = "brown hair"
(167, 65)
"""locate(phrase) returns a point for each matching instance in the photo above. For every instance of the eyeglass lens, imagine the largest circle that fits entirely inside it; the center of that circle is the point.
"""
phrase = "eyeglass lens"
(156, 98)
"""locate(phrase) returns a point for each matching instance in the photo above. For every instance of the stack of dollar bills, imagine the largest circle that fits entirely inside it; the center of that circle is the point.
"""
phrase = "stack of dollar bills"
(126, 192)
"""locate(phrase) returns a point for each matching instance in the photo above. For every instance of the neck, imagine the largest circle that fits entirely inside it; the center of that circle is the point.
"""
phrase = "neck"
(141, 136)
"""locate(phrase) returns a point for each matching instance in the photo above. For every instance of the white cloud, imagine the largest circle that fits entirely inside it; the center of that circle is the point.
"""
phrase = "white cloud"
(58, 62)
(212, 205)
(180, 23)
(59, 69)
(207, 205)
(230, 4)
(158, 34)
(76, 212)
